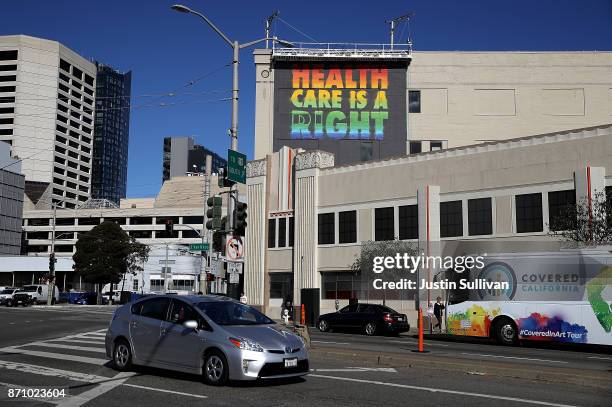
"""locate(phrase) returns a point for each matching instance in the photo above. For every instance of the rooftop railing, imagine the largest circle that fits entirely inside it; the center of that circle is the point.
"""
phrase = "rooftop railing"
(344, 50)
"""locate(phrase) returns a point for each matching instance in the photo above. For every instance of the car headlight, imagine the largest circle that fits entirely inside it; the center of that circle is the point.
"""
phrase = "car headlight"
(246, 344)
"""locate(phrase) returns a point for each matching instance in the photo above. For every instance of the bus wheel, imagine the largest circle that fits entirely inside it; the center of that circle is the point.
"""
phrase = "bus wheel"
(506, 332)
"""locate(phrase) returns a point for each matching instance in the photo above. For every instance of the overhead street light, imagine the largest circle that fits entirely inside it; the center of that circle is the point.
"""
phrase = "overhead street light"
(236, 47)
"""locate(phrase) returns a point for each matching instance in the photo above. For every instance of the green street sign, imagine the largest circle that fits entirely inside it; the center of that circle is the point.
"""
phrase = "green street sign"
(236, 166)
(198, 247)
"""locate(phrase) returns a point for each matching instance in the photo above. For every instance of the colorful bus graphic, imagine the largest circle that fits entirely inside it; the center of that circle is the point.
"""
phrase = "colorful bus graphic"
(550, 296)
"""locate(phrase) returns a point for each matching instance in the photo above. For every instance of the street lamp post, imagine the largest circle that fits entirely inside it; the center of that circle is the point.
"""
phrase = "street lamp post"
(236, 47)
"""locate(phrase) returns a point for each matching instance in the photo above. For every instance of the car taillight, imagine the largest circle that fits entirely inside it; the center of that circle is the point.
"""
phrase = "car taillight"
(388, 318)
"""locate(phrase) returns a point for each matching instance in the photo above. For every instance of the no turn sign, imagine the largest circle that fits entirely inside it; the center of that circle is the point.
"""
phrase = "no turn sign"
(234, 248)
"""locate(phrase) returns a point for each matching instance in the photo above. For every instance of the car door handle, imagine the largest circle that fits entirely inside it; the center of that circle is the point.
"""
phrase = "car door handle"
(134, 324)
(164, 331)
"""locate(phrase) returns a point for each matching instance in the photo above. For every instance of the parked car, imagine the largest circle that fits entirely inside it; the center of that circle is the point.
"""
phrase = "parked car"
(40, 292)
(21, 298)
(217, 337)
(6, 296)
(369, 318)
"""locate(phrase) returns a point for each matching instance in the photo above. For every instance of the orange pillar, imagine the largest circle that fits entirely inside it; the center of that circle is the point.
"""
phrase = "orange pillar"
(420, 329)
(303, 317)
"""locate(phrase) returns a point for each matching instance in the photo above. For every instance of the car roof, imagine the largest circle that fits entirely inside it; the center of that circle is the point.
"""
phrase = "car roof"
(192, 299)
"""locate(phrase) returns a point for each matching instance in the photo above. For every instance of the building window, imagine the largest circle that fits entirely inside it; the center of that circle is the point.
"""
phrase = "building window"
(414, 101)
(271, 233)
(435, 145)
(451, 219)
(141, 220)
(415, 147)
(89, 221)
(347, 227)
(408, 222)
(281, 285)
(291, 230)
(326, 228)
(529, 213)
(341, 285)
(384, 228)
(135, 286)
(282, 232)
(64, 66)
(560, 203)
(480, 217)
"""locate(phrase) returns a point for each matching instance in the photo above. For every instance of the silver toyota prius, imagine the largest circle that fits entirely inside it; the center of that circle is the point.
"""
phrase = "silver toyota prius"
(217, 337)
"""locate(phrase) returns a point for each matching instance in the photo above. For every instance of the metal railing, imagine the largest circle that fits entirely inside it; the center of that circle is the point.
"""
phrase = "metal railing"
(343, 50)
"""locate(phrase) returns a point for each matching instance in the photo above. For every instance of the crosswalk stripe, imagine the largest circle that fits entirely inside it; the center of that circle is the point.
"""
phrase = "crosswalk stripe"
(49, 371)
(100, 334)
(164, 390)
(103, 387)
(51, 355)
(77, 341)
(60, 346)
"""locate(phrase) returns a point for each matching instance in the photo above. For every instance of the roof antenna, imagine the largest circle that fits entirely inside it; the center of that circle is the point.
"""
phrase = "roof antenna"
(393, 23)
(269, 24)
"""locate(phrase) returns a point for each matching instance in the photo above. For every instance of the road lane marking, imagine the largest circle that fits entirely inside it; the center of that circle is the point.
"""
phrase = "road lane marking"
(96, 334)
(102, 387)
(358, 369)
(51, 355)
(438, 390)
(76, 340)
(514, 357)
(49, 371)
(165, 391)
(334, 343)
(599, 357)
(416, 342)
(60, 346)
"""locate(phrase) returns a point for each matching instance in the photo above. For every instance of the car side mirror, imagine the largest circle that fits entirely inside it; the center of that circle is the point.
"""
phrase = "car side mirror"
(191, 324)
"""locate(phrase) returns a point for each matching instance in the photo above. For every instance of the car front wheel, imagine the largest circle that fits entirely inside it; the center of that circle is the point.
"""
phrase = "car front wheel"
(216, 369)
(122, 356)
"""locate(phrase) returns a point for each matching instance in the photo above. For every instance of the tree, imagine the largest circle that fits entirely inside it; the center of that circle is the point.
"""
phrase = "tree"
(364, 262)
(583, 224)
(106, 253)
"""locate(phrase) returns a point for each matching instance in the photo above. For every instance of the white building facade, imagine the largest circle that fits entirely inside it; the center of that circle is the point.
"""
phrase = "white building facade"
(47, 94)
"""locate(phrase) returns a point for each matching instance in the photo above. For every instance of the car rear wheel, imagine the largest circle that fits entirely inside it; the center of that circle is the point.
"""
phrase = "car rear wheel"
(215, 369)
(122, 356)
(323, 326)
(370, 328)
(506, 332)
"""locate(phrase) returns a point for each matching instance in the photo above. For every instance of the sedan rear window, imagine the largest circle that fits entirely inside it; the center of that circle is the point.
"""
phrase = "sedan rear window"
(232, 313)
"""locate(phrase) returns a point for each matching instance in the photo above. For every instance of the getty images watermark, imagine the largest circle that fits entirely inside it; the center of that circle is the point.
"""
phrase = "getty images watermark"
(411, 264)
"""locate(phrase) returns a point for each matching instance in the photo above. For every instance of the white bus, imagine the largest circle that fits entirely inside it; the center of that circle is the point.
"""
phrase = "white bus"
(561, 296)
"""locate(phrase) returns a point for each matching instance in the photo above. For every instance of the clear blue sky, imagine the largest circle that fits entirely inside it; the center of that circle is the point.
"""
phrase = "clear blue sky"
(165, 50)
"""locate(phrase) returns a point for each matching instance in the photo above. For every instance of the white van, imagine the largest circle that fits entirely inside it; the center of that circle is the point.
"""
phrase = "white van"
(40, 293)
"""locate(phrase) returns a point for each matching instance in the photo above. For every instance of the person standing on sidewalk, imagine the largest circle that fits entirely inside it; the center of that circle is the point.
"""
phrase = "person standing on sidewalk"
(438, 308)
(243, 298)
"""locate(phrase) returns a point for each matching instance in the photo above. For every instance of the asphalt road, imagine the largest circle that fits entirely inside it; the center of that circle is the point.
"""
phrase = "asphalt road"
(63, 348)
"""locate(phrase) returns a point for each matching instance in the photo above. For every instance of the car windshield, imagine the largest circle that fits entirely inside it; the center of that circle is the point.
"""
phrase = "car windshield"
(233, 313)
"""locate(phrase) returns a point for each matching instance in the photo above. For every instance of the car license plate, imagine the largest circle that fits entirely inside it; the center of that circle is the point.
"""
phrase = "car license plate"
(291, 362)
(400, 319)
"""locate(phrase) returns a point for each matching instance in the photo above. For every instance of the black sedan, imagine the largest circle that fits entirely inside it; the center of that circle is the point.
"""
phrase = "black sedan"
(369, 318)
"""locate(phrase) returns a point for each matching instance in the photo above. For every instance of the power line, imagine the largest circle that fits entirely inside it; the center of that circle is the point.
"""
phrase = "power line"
(297, 30)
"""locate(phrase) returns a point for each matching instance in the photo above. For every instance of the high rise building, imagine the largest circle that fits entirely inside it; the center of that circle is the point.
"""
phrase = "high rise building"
(182, 156)
(111, 133)
(47, 96)
(11, 202)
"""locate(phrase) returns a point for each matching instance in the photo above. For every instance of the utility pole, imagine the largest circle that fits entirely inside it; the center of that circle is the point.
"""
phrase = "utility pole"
(205, 232)
(166, 271)
(269, 25)
(393, 23)
(51, 282)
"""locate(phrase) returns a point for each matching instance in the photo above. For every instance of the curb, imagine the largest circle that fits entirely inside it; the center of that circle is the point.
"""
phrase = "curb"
(480, 368)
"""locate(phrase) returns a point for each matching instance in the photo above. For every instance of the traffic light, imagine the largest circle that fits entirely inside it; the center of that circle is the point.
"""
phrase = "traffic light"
(214, 212)
(169, 227)
(240, 215)
(222, 180)
(219, 237)
(52, 261)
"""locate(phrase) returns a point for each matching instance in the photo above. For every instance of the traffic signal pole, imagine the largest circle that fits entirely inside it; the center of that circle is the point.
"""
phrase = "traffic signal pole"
(51, 282)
